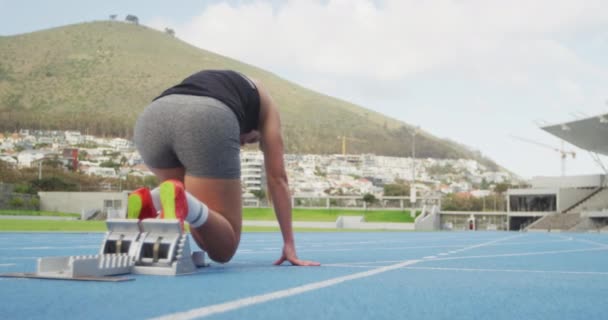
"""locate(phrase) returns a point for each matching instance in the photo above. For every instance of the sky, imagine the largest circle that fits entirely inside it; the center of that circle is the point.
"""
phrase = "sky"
(479, 72)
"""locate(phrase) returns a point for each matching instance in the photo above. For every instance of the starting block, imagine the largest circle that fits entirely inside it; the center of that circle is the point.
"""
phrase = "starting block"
(151, 247)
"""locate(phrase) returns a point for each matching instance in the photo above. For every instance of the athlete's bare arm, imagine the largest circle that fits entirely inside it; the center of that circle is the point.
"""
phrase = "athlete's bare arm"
(271, 143)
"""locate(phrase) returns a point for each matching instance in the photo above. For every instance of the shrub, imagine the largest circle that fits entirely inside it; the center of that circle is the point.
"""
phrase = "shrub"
(34, 203)
(16, 202)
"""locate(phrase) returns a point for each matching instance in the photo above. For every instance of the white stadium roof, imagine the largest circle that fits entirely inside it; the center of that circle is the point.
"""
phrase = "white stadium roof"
(590, 134)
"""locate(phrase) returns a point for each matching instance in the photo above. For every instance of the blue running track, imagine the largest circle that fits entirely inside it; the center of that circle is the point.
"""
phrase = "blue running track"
(390, 275)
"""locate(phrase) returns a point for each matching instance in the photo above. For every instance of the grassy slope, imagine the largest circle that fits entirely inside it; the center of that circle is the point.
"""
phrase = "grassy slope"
(99, 76)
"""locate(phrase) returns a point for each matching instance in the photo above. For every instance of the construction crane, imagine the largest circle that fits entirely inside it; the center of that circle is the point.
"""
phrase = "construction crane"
(344, 138)
(563, 153)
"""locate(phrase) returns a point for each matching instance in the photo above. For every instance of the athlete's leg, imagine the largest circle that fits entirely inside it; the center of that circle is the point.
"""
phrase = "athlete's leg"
(219, 236)
(196, 140)
(169, 173)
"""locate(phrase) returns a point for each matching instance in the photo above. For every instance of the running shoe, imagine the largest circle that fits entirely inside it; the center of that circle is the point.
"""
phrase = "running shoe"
(140, 205)
(173, 201)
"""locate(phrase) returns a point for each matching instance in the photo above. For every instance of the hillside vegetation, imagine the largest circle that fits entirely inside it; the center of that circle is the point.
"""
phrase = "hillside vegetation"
(97, 77)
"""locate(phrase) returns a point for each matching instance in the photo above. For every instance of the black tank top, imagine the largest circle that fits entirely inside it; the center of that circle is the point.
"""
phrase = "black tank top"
(235, 90)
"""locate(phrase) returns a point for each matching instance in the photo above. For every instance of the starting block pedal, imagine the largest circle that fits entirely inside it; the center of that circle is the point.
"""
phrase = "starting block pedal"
(150, 247)
(164, 250)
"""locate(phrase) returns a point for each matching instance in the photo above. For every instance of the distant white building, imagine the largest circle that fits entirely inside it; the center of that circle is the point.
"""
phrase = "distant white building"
(7, 144)
(8, 159)
(121, 144)
(496, 177)
(25, 159)
(102, 172)
(461, 186)
(252, 171)
(481, 193)
(45, 140)
(73, 137)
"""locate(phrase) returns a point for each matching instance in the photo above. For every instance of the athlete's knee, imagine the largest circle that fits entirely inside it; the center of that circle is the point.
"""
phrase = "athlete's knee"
(222, 257)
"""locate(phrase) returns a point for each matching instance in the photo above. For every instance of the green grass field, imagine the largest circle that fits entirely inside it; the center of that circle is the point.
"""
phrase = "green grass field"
(10, 225)
(37, 213)
(260, 214)
(51, 225)
(326, 215)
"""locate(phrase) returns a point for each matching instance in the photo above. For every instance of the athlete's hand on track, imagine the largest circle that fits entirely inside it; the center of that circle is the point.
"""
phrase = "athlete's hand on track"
(289, 254)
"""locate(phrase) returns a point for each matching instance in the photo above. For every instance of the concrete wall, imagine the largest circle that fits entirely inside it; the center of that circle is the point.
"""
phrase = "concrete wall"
(532, 191)
(584, 181)
(459, 220)
(18, 201)
(79, 202)
(568, 197)
(428, 220)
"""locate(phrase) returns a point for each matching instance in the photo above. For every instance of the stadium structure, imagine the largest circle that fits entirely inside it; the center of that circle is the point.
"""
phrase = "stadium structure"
(565, 203)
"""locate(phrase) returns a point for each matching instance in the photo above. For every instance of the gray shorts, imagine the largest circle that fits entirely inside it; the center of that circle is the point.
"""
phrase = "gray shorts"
(200, 134)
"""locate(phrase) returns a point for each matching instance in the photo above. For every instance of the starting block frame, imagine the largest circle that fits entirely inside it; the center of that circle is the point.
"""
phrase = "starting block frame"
(149, 247)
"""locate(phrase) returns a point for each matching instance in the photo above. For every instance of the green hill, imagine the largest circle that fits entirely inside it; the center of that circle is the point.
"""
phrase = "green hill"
(97, 77)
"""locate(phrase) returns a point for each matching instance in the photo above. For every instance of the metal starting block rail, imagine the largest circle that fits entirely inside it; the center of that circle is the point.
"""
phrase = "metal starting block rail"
(151, 247)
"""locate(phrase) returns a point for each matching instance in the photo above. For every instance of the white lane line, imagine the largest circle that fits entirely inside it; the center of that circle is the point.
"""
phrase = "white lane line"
(7, 264)
(50, 248)
(240, 303)
(344, 265)
(510, 270)
(602, 245)
(253, 300)
(305, 250)
(368, 262)
(521, 254)
(485, 244)
(358, 244)
(19, 258)
(524, 243)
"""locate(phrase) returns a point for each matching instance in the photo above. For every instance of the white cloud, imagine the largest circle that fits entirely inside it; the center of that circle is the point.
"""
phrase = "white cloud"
(397, 39)
(519, 60)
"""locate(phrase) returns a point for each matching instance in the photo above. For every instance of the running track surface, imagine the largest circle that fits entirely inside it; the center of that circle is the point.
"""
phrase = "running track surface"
(389, 275)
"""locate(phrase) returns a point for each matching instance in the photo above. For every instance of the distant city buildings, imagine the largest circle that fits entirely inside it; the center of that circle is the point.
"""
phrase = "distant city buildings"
(309, 175)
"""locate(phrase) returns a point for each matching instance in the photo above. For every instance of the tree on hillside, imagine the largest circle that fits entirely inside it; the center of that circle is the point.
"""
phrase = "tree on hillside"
(369, 199)
(113, 17)
(110, 164)
(52, 184)
(133, 19)
(461, 202)
(259, 194)
(170, 32)
(484, 184)
(396, 190)
(501, 188)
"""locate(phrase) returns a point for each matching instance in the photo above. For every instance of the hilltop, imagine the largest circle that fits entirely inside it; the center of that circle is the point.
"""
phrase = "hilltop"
(97, 77)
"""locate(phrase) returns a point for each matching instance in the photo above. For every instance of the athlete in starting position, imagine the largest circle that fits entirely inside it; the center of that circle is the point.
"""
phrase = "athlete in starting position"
(190, 138)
